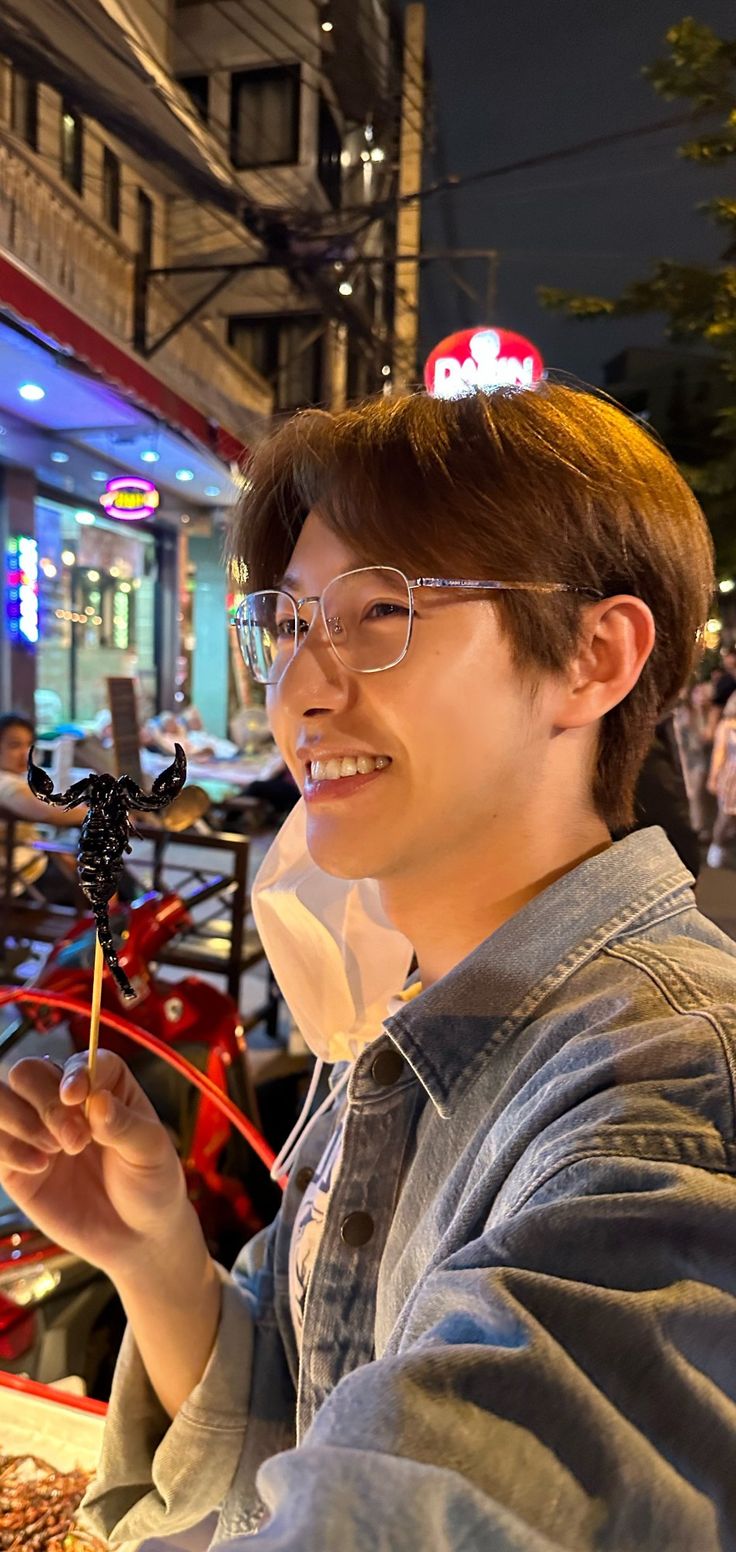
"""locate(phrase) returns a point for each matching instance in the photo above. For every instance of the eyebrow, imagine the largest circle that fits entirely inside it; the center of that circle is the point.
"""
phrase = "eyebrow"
(289, 581)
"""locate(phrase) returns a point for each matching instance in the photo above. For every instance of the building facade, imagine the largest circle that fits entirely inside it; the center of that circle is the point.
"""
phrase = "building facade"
(186, 248)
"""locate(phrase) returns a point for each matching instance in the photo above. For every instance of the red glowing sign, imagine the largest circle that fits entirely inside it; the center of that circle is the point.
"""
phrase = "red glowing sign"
(130, 497)
(482, 358)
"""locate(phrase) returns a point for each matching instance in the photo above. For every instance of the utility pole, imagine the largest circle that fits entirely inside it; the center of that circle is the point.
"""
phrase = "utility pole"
(406, 313)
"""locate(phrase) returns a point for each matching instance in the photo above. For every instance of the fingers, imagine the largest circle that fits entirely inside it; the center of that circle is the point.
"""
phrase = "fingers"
(138, 1138)
(63, 1110)
(33, 1084)
(25, 1142)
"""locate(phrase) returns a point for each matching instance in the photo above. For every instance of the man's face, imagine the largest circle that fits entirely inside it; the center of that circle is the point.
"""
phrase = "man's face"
(454, 718)
(15, 744)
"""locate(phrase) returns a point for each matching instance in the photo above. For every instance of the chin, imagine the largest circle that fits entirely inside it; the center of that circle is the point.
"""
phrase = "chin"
(341, 856)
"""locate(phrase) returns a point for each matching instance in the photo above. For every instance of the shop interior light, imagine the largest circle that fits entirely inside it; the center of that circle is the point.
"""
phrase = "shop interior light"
(99, 475)
(59, 457)
(727, 586)
(150, 456)
(365, 156)
(85, 518)
(114, 571)
(378, 154)
(93, 576)
(212, 490)
(68, 557)
(184, 475)
(345, 288)
(47, 566)
(327, 26)
(21, 589)
(386, 370)
(32, 392)
(124, 587)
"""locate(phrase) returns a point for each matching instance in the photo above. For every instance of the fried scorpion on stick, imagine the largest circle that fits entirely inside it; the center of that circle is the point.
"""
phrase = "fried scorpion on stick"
(104, 835)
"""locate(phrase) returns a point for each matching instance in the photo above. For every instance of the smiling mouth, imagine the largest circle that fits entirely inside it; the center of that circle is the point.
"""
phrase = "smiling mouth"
(347, 767)
(322, 786)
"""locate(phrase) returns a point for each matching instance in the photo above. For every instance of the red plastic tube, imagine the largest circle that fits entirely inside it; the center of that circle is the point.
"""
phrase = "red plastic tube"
(159, 1048)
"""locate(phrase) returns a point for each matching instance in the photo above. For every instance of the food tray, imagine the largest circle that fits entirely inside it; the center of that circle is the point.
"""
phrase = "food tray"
(67, 1431)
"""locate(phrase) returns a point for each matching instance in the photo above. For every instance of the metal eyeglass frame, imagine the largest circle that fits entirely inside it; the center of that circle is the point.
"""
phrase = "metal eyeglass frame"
(433, 582)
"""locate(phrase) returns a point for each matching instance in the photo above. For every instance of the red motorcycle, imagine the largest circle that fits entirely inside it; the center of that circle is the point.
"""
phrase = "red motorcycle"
(186, 1045)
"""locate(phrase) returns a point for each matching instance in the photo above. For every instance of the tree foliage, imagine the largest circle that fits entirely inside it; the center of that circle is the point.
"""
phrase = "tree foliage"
(698, 301)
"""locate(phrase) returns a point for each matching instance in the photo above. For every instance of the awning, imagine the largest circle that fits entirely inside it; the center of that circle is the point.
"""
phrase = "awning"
(97, 55)
(57, 326)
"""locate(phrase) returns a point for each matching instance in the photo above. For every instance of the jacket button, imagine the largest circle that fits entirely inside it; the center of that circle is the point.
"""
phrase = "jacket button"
(303, 1177)
(357, 1229)
(387, 1067)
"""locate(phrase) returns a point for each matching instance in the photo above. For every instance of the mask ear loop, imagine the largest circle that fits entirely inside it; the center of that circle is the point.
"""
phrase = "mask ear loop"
(285, 1158)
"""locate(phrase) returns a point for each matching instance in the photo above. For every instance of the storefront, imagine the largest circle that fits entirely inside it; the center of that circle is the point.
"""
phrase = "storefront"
(107, 586)
(97, 593)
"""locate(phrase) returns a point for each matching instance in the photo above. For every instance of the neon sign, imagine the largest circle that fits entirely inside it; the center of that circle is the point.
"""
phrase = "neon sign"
(130, 497)
(21, 590)
(482, 359)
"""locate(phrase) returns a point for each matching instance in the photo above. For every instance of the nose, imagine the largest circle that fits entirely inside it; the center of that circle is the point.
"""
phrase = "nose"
(314, 678)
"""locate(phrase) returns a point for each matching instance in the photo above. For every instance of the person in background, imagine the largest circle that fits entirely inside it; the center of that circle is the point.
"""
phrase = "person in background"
(48, 874)
(689, 722)
(724, 686)
(722, 784)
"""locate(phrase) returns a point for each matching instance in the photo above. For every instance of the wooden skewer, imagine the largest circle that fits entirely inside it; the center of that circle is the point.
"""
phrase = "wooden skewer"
(94, 1019)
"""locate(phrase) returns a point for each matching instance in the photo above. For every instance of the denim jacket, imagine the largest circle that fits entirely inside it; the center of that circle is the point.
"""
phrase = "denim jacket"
(520, 1331)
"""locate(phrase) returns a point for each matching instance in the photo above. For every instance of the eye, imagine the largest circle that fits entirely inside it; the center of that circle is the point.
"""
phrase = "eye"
(386, 610)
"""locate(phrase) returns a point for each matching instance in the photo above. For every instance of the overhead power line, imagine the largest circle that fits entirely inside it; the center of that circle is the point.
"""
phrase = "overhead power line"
(521, 164)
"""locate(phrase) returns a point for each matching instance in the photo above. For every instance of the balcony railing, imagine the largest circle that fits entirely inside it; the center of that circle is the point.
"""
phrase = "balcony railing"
(85, 265)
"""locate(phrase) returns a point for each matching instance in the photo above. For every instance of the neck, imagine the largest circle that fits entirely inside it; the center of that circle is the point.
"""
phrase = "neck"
(449, 904)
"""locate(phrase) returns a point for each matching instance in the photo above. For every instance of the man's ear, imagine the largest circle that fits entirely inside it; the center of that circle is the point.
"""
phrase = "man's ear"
(616, 638)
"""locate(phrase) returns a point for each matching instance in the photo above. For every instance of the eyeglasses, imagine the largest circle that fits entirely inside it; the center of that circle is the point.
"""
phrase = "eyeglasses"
(367, 614)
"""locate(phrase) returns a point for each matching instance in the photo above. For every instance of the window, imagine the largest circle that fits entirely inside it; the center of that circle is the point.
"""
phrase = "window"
(111, 189)
(72, 132)
(145, 228)
(328, 155)
(264, 117)
(287, 351)
(197, 87)
(24, 109)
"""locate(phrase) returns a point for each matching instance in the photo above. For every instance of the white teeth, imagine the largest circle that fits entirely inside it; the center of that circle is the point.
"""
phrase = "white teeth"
(349, 765)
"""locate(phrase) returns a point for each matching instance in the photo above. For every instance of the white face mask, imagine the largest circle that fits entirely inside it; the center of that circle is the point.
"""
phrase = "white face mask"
(336, 957)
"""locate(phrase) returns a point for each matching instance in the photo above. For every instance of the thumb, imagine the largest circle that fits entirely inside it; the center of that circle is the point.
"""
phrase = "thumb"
(140, 1140)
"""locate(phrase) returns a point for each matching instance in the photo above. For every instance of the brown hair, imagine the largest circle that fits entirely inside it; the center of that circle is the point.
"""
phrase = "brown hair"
(554, 485)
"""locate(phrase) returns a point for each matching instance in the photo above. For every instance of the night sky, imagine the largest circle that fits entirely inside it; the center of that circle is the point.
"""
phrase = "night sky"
(513, 80)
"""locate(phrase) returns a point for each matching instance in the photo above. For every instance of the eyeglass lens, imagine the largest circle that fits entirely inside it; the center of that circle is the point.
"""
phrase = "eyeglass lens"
(368, 614)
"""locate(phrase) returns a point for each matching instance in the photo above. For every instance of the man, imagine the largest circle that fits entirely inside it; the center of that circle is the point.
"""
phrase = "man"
(31, 864)
(498, 1306)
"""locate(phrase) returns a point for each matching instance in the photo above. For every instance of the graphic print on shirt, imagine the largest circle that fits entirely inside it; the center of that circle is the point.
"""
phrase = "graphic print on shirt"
(308, 1228)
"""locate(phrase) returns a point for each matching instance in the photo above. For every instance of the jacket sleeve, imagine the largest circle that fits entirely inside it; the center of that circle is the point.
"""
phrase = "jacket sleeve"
(566, 1380)
(157, 1475)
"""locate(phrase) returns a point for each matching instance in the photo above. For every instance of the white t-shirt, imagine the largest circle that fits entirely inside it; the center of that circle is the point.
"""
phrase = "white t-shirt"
(309, 1223)
(28, 863)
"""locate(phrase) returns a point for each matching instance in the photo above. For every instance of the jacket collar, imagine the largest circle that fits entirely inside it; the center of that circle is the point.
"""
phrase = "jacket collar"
(448, 1031)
